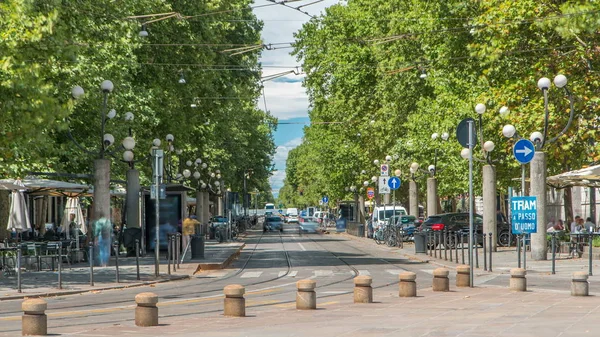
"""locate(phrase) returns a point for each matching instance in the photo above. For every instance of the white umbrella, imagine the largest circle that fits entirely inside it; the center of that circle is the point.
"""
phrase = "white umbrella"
(18, 219)
(73, 207)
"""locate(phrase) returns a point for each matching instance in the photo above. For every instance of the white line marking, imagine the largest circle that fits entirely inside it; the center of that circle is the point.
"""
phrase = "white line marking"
(320, 273)
(301, 246)
(292, 273)
(428, 271)
(364, 272)
(251, 274)
(394, 271)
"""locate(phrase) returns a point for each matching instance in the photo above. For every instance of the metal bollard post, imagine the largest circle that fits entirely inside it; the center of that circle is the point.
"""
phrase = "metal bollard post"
(178, 248)
(169, 244)
(435, 244)
(484, 252)
(476, 250)
(553, 235)
(462, 247)
(456, 247)
(591, 239)
(518, 251)
(59, 265)
(491, 251)
(452, 243)
(137, 258)
(174, 252)
(19, 269)
(429, 243)
(445, 244)
(116, 248)
(91, 259)
(524, 251)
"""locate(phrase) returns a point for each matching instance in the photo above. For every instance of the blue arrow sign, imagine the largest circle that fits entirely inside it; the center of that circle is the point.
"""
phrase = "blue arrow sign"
(394, 183)
(325, 199)
(524, 150)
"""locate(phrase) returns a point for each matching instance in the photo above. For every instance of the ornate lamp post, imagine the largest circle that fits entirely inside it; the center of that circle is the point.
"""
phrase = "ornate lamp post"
(538, 164)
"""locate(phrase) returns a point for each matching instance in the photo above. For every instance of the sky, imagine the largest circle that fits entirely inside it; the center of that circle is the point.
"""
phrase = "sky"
(286, 99)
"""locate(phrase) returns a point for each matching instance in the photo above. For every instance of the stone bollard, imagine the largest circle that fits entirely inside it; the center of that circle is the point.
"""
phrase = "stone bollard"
(579, 284)
(463, 276)
(34, 321)
(235, 304)
(518, 282)
(363, 292)
(440, 279)
(408, 285)
(306, 298)
(146, 312)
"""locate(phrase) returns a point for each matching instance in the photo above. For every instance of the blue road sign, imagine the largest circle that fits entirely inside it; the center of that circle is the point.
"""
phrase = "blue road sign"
(523, 212)
(524, 150)
(394, 183)
(325, 199)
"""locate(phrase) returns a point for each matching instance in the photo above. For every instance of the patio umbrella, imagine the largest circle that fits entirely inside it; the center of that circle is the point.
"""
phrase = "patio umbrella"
(73, 209)
(18, 219)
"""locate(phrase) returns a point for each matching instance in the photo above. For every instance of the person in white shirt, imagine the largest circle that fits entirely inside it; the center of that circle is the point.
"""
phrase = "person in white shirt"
(574, 224)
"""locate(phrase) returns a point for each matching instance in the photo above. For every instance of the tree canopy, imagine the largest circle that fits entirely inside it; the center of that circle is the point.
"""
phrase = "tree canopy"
(383, 76)
(49, 46)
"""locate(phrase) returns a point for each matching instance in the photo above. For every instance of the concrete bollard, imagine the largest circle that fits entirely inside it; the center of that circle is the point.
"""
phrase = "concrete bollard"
(146, 312)
(518, 282)
(408, 285)
(363, 292)
(440, 279)
(579, 284)
(34, 321)
(463, 278)
(235, 304)
(306, 297)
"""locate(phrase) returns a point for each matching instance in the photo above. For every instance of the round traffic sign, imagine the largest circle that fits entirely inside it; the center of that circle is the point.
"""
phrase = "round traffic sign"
(462, 132)
(394, 183)
(524, 151)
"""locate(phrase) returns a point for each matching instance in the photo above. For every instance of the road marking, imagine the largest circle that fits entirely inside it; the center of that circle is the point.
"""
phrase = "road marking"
(394, 271)
(334, 292)
(292, 273)
(364, 272)
(213, 274)
(252, 274)
(428, 271)
(322, 273)
(301, 246)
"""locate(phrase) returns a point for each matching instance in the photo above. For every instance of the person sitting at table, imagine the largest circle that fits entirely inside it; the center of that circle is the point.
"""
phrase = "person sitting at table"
(559, 225)
(574, 224)
(50, 235)
(589, 226)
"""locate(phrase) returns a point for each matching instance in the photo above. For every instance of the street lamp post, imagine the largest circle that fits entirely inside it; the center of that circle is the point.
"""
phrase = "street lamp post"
(538, 164)
(432, 183)
(489, 181)
(101, 165)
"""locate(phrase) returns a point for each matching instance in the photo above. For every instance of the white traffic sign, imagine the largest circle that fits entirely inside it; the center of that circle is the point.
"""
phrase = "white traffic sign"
(394, 183)
(383, 185)
(385, 170)
(524, 150)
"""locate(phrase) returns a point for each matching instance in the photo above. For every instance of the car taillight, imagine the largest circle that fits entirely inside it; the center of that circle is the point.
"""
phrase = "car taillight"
(437, 226)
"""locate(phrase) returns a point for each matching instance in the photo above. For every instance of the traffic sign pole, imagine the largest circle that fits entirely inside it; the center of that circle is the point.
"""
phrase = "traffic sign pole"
(471, 236)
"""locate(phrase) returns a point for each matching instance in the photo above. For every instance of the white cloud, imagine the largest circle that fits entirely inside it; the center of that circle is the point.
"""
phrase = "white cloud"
(280, 158)
(286, 100)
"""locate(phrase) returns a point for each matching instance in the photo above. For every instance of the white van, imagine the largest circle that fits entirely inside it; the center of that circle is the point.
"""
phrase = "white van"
(382, 213)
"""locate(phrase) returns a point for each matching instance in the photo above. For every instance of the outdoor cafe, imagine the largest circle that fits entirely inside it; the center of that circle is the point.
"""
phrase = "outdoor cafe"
(58, 231)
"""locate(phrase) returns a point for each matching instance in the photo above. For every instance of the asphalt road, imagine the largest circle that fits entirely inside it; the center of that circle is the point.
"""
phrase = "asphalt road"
(268, 267)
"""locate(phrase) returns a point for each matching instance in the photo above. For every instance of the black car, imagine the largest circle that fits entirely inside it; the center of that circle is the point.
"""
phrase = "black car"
(459, 222)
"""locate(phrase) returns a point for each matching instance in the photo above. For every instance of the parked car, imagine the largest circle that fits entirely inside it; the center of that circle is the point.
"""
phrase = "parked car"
(406, 222)
(273, 223)
(292, 218)
(459, 222)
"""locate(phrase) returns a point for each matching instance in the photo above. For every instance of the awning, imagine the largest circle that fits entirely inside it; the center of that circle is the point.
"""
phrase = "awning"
(37, 186)
(589, 176)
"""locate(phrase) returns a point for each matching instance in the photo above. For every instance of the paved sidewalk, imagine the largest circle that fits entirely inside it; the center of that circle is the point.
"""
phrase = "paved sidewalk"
(76, 279)
(462, 312)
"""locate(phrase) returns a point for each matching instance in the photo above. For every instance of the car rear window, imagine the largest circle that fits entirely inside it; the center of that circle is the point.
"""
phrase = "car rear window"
(273, 219)
(433, 219)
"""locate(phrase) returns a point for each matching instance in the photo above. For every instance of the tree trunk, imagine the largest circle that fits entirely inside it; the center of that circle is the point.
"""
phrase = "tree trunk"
(568, 205)
(4, 212)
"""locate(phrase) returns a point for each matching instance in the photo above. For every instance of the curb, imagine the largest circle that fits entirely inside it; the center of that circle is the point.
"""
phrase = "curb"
(222, 265)
(81, 291)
